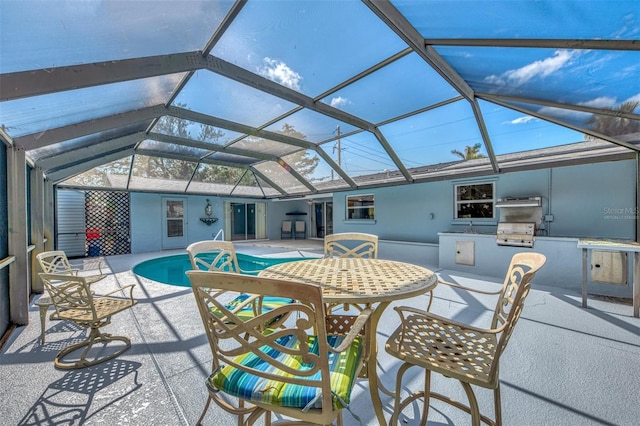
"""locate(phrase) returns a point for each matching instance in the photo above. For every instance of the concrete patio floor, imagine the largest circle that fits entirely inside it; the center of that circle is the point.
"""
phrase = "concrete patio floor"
(564, 365)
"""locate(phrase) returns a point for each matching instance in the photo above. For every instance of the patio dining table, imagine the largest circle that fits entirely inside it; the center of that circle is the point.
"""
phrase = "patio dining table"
(374, 283)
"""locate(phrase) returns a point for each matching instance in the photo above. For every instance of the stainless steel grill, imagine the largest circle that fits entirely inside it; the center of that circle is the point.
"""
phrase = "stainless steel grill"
(516, 234)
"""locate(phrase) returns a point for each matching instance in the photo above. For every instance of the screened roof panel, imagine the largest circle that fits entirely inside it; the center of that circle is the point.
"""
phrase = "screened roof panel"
(85, 141)
(172, 148)
(104, 176)
(281, 177)
(231, 158)
(600, 78)
(39, 113)
(359, 154)
(550, 19)
(248, 186)
(175, 126)
(218, 96)
(157, 167)
(140, 183)
(211, 178)
(307, 46)
(405, 85)
(430, 137)
(314, 168)
(512, 130)
(264, 146)
(267, 189)
(602, 124)
(311, 126)
(37, 35)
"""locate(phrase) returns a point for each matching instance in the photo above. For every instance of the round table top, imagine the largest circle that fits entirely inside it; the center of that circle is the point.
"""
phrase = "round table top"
(357, 280)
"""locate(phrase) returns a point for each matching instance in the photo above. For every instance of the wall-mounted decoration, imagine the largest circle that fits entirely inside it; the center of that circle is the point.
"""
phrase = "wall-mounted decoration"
(208, 211)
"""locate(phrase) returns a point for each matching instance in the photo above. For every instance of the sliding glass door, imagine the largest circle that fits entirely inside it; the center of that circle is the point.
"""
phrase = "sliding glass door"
(322, 219)
(245, 221)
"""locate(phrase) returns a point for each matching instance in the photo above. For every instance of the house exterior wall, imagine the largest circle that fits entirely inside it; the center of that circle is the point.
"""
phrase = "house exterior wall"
(587, 200)
(146, 218)
(415, 222)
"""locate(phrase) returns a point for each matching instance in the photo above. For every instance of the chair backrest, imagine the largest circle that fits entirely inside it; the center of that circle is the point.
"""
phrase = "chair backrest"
(55, 262)
(70, 292)
(286, 226)
(300, 226)
(221, 256)
(351, 244)
(233, 338)
(515, 289)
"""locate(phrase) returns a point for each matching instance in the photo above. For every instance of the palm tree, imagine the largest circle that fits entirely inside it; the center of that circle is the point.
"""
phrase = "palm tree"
(470, 152)
(617, 125)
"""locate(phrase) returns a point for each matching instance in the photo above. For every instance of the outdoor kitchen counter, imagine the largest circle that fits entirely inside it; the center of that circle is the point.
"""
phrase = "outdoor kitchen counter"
(563, 268)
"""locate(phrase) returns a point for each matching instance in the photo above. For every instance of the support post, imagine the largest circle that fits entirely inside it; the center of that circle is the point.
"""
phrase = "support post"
(37, 226)
(17, 206)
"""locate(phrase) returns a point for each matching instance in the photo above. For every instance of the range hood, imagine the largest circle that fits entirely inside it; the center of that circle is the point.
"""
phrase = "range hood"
(519, 202)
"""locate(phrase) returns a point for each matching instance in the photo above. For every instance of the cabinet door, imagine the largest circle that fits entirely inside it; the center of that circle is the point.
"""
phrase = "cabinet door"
(465, 253)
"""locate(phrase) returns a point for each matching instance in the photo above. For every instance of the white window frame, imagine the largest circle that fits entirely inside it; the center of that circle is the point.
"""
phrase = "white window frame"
(355, 208)
(491, 200)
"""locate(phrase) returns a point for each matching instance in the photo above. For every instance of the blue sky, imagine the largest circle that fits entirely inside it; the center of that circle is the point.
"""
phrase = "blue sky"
(312, 46)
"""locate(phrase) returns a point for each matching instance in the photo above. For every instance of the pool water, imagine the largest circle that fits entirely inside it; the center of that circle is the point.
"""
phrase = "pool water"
(171, 269)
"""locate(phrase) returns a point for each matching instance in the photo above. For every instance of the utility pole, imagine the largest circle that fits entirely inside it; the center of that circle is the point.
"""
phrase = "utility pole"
(339, 148)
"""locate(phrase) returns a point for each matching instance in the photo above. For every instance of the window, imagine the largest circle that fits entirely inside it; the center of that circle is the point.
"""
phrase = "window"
(360, 207)
(475, 201)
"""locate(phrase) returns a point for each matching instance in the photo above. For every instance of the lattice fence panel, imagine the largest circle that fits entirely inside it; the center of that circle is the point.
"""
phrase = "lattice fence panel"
(107, 223)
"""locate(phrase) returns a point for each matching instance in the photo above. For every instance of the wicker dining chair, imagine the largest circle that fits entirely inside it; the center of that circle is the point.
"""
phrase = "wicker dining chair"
(220, 256)
(460, 351)
(75, 301)
(56, 262)
(304, 370)
(351, 244)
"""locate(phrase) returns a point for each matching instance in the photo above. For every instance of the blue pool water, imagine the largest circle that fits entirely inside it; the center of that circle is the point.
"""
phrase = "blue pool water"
(171, 269)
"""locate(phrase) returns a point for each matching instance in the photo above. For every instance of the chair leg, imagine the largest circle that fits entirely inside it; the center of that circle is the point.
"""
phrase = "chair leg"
(206, 407)
(95, 336)
(427, 396)
(473, 404)
(497, 405)
(399, 405)
(43, 319)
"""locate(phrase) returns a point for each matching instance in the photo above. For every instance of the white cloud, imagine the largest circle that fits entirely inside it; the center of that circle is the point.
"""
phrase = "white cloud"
(565, 114)
(541, 68)
(522, 120)
(339, 101)
(600, 102)
(634, 98)
(280, 72)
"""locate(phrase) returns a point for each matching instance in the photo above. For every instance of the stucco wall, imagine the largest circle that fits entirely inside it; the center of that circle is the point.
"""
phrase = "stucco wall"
(580, 199)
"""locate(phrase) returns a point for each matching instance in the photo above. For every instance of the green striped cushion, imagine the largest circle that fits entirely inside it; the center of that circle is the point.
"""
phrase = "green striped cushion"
(252, 388)
(246, 313)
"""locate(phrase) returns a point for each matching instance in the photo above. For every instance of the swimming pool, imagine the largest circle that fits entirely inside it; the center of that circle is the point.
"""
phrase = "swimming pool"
(171, 269)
